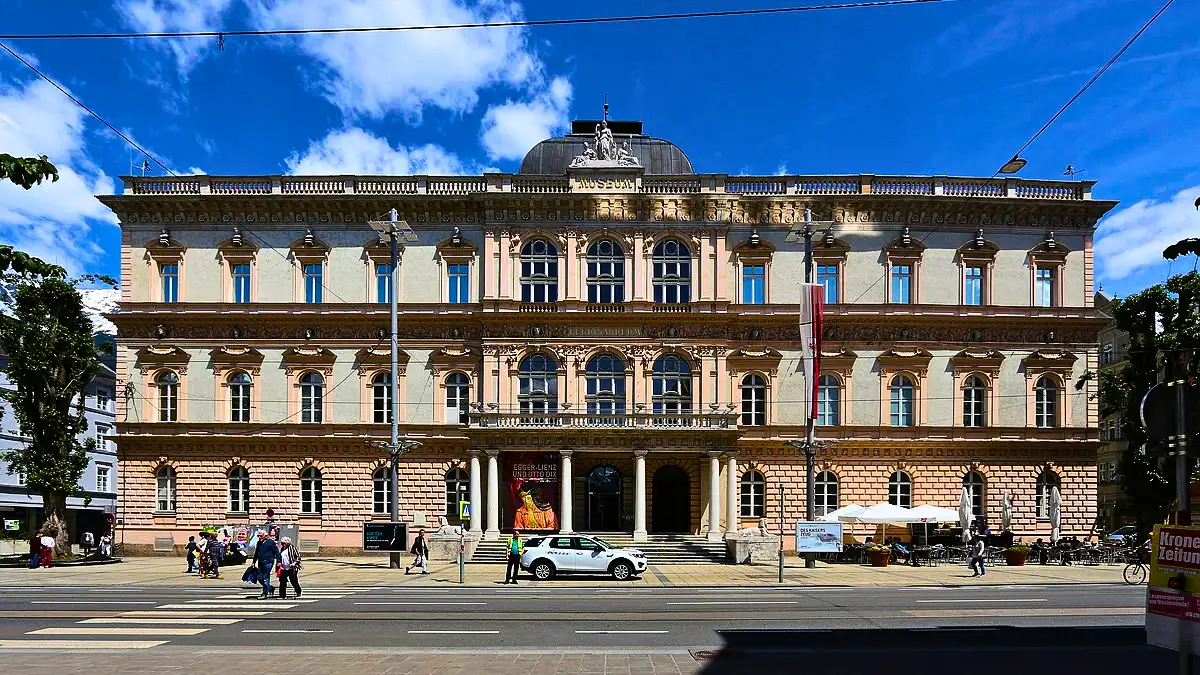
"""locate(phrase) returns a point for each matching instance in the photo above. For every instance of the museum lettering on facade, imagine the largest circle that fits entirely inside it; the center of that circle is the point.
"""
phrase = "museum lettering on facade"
(595, 338)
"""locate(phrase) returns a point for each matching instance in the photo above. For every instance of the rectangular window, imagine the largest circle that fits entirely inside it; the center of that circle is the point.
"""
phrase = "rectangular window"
(901, 287)
(1043, 290)
(973, 286)
(1107, 354)
(169, 275)
(314, 282)
(827, 276)
(101, 432)
(383, 283)
(103, 396)
(240, 277)
(754, 284)
(103, 471)
(459, 275)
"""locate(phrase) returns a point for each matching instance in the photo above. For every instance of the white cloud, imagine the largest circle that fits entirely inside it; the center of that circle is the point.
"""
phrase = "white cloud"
(379, 73)
(781, 170)
(510, 129)
(174, 16)
(51, 220)
(1134, 237)
(356, 151)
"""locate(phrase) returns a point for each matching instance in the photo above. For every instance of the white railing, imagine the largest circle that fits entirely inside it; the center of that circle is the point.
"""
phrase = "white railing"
(902, 186)
(563, 420)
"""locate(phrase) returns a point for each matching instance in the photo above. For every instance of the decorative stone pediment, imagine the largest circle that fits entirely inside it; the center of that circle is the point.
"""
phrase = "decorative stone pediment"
(237, 247)
(224, 359)
(155, 357)
(316, 358)
(1049, 250)
(977, 360)
(905, 244)
(165, 247)
(912, 359)
(754, 246)
(370, 359)
(456, 246)
(1050, 360)
(838, 360)
(742, 360)
(378, 249)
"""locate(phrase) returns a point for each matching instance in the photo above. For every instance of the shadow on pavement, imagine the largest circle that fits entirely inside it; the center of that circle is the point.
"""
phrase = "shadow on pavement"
(953, 651)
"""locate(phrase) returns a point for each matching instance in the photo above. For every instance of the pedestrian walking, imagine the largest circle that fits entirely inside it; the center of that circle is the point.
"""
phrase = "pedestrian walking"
(35, 552)
(46, 559)
(420, 551)
(515, 549)
(106, 549)
(216, 553)
(192, 550)
(88, 542)
(289, 567)
(266, 555)
(975, 560)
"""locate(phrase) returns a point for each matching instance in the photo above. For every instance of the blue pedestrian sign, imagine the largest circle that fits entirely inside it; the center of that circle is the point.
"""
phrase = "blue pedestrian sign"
(464, 510)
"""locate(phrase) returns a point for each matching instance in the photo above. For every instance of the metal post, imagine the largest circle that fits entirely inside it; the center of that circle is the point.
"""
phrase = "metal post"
(462, 557)
(395, 381)
(1183, 491)
(810, 450)
(781, 526)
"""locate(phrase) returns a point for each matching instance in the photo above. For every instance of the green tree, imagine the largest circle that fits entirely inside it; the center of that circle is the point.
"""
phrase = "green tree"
(27, 171)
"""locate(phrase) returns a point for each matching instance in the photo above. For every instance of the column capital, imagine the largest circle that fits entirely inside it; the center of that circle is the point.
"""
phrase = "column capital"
(473, 452)
(715, 454)
(566, 452)
(492, 452)
(641, 452)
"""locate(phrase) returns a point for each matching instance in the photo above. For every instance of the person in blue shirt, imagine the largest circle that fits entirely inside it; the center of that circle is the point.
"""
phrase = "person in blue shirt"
(266, 554)
(515, 549)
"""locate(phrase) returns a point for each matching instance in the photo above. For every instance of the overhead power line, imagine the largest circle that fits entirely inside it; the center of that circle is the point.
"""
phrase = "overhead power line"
(482, 24)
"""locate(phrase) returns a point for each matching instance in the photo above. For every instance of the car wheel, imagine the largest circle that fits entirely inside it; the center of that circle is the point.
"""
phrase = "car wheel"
(622, 570)
(543, 570)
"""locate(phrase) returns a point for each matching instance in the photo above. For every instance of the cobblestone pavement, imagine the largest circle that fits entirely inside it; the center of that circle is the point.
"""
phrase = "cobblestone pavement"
(166, 571)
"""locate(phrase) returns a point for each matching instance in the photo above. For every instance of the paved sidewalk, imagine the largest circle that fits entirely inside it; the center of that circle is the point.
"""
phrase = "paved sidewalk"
(373, 571)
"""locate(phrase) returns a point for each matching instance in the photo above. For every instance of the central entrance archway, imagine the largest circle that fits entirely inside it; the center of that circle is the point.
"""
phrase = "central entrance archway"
(603, 500)
(672, 512)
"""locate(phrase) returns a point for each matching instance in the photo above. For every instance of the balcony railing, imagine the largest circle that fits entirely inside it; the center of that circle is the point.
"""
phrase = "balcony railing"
(699, 184)
(570, 420)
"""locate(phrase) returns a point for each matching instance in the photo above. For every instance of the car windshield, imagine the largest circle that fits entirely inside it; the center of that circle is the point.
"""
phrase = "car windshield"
(603, 544)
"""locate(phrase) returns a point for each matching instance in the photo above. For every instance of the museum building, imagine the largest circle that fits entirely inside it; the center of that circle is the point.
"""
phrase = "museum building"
(606, 341)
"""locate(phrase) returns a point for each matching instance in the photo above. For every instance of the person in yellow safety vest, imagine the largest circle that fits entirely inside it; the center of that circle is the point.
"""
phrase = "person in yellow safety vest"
(515, 549)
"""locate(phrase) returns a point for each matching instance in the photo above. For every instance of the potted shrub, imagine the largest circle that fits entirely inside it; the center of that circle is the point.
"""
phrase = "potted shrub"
(1015, 555)
(879, 555)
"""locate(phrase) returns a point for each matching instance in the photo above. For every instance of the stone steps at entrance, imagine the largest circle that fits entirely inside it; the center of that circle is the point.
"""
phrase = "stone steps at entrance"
(660, 549)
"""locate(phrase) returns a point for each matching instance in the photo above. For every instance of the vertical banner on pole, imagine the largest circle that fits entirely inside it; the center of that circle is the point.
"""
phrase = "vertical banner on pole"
(812, 311)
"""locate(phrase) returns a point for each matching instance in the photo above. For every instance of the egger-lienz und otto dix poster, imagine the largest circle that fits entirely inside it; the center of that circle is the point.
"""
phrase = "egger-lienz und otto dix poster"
(533, 484)
(1173, 614)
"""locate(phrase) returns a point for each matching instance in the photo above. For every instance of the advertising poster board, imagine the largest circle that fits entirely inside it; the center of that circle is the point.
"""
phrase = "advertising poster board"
(533, 491)
(384, 536)
(1173, 597)
(818, 537)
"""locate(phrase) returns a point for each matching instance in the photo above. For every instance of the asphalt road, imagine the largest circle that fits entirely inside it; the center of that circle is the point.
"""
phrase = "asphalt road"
(621, 616)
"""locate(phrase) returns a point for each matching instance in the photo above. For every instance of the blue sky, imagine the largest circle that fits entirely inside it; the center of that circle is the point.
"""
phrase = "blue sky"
(950, 88)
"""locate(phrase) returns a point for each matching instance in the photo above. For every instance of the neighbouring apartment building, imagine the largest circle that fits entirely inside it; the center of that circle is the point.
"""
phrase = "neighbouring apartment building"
(605, 341)
(1114, 345)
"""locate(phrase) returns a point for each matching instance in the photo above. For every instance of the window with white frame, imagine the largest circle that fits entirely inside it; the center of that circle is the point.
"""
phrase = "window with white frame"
(383, 282)
(754, 283)
(239, 490)
(168, 396)
(312, 398)
(1046, 402)
(901, 283)
(239, 278)
(976, 493)
(900, 489)
(165, 481)
(973, 280)
(672, 272)
(605, 272)
(458, 490)
(826, 495)
(381, 492)
(101, 442)
(381, 398)
(1044, 282)
(827, 276)
(902, 398)
(974, 402)
(829, 396)
(310, 490)
(754, 494)
(168, 274)
(314, 282)
(539, 272)
(605, 390)
(240, 384)
(1046, 483)
(104, 478)
(754, 400)
(1107, 354)
(458, 397)
(538, 383)
(458, 277)
(671, 388)
(103, 397)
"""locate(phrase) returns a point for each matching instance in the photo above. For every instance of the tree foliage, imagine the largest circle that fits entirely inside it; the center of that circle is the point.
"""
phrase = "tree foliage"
(27, 171)
(1163, 324)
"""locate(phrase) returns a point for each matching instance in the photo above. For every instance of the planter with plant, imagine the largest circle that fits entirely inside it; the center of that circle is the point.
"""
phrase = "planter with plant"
(879, 555)
(1016, 555)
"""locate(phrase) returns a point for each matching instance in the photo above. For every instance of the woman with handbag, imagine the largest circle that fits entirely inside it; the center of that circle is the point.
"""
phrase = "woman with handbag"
(289, 567)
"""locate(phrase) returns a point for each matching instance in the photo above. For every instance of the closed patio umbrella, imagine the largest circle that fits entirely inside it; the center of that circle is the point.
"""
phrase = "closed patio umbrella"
(1055, 514)
(964, 514)
(1006, 514)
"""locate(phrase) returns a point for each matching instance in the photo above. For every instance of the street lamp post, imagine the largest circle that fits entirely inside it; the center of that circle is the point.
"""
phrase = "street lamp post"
(393, 229)
(811, 448)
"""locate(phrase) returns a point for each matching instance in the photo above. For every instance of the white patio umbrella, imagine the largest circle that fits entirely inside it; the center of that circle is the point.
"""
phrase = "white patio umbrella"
(836, 514)
(964, 513)
(934, 514)
(883, 513)
(1055, 514)
(1006, 514)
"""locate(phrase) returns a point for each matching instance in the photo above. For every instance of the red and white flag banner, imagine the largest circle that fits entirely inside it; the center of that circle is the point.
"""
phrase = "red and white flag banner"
(812, 311)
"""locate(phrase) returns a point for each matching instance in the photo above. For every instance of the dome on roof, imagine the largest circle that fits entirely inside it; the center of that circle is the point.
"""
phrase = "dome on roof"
(553, 155)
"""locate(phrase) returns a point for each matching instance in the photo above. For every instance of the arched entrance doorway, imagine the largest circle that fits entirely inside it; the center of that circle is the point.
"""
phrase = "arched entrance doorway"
(672, 501)
(603, 500)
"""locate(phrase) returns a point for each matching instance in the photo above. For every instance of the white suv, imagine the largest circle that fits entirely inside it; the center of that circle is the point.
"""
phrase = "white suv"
(547, 556)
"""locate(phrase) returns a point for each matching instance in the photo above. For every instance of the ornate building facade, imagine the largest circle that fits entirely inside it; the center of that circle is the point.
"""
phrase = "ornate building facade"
(605, 341)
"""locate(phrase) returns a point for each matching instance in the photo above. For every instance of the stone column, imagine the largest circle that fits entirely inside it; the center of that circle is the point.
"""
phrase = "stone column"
(493, 495)
(564, 518)
(639, 495)
(714, 495)
(476, 498)
(732, 481)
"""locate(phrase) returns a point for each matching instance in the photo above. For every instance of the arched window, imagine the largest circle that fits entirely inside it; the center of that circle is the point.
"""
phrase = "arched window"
(539, 272)
(903, 400)
(239, 490)
(458, 396)
(974, 402)
(829, 400)
(754, 494)
(825, 499)
(239, 396)
(310, 490)
(381, 398)
(312, 395)
(976, 492)
(1046, 482)
(381, 493)
(672, 389)
(754, 400)
(672, 272)
(165, 481)
(606, 390)
(538, 380)
(900, 489)
(605, 272)
(458, 489)
(1045, 392)
(168, 397)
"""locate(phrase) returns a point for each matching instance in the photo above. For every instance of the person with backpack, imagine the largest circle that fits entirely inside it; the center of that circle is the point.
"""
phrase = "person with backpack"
(420, 551)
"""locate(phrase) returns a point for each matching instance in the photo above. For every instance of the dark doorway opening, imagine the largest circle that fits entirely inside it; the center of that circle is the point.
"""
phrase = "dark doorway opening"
(604, 500)
(672, 501)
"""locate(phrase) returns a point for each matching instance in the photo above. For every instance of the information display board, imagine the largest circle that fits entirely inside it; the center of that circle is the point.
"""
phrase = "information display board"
(1173, 598)
(818, 537)
(384, 536)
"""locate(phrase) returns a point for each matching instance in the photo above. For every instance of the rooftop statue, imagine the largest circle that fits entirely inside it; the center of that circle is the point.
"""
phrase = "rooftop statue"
(603, 150)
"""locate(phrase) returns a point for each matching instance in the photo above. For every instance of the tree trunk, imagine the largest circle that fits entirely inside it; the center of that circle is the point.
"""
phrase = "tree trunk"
(55, 506)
